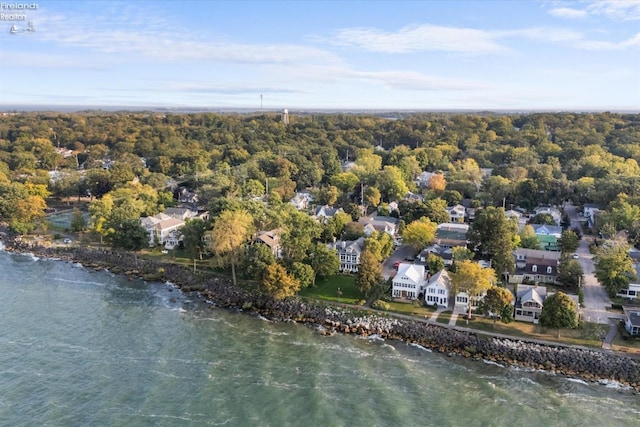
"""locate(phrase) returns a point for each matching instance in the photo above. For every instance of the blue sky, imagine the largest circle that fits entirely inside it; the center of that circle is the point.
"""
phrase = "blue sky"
(478, 55)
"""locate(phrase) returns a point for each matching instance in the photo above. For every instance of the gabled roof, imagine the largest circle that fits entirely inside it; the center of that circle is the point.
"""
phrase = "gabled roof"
(633, 317)
(529, 293)
(326, 211)
(348, 246)
(537, 254)
(441, 278)
(414, 273)
(544, 229)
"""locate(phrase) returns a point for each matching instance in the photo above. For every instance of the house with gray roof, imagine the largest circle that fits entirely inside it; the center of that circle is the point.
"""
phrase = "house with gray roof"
(349, 254)
(529, 301)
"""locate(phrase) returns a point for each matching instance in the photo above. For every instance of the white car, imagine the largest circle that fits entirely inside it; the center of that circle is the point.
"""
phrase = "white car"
(575, 256)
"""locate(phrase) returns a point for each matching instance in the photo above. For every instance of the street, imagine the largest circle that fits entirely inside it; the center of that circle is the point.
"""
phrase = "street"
(596, 299)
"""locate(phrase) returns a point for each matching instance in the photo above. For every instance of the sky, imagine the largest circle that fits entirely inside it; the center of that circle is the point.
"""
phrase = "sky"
(400, 55)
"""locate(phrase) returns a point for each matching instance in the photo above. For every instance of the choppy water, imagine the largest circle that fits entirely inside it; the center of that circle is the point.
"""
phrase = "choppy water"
(84, 348)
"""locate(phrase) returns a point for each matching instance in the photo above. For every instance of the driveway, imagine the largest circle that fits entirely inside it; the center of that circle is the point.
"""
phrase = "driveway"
(401, 252)
(596, 299)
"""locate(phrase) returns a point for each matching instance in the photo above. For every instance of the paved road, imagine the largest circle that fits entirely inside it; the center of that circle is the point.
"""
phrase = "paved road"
(596, 299)
(401, 252)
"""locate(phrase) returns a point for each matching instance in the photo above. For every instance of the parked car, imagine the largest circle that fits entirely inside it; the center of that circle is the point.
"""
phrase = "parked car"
(396, 264)
(575, 256)
(67, 241)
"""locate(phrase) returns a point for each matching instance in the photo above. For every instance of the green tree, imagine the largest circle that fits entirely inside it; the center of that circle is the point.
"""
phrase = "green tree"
(570, 273)
(559, 311)
(391, 183)
(129, 235)
(369, 272)
(231, 230)
(419, 233)
(255, 260)
(324, 261)
(543, 218)
(471, 278)
(614, 268)
(278, 283)
(497, 302)
(193, 233)
(568, 242)
(301, 231)
(529, 239)
(461, 253)
(372, 197)
(434, 263)
(78, 222)
(345, 181)
(493, 233)
(303, 273)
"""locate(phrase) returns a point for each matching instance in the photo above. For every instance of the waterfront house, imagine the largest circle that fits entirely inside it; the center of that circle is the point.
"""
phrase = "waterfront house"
(632, 322)
(409, 281)
(163, 229)
(437, 289)
(349, 254)
(529, 301)
(271, 239)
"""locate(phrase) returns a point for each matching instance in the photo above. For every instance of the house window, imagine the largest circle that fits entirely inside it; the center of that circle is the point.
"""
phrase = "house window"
(549, 270)
(440, 291)
(534, 268)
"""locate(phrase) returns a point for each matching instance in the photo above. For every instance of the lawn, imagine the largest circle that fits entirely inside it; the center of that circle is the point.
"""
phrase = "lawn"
(590, 334)
(327, 289)
(444, 317)
(410, 309)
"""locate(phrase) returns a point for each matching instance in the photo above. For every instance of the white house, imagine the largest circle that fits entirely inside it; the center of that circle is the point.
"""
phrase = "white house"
(589, 210)
(438, 288)
(409, 281)
(324, 213)
(302, 200)
(349, 254)
(528, 303)
(163, 229)
(632, 322)
(424, 178)
(456, 213)
(379, 223)
(461, 304)
(555, 213)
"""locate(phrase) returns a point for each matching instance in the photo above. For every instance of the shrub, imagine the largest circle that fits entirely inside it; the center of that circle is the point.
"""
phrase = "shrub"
(361, 302)
(380, 305)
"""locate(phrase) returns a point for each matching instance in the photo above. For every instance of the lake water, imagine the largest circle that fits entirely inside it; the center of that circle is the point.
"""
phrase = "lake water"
(85, 348)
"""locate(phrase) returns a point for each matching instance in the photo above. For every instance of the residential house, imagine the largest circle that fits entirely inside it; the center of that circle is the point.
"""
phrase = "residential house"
(456, 213)
(325, 213)
(349, 254)
(535, 265)
(461, 303)
(185, 213)
(422, 181)
(632, 322)
(555, 213)
(633, 290)
(548, 236)
(163, 230)
(271, 239)
(184, 195)
(413, 197)
(449, 235)
(529, 301)
(302, 200)
(379, 223)
(437, 289)
(409, 281)
(443, 252)
(517, 217)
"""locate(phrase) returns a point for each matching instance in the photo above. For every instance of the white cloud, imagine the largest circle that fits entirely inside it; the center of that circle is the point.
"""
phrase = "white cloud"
(567, 12)
(620, 10)
(420, 38)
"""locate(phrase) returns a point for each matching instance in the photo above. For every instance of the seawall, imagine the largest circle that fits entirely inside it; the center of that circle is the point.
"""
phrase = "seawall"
(592, 365)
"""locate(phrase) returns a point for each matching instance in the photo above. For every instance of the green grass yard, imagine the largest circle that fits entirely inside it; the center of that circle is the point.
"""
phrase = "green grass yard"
(327, 289)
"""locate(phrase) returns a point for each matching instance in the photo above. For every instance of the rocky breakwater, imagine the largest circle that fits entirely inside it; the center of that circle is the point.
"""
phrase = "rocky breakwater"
(566, 360)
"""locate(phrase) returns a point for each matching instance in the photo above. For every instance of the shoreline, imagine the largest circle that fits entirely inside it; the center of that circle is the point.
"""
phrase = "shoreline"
(569, 361)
